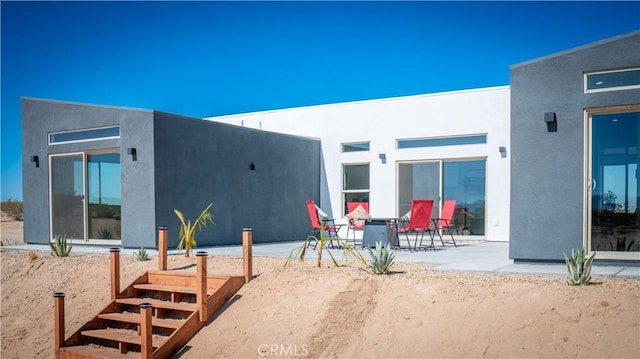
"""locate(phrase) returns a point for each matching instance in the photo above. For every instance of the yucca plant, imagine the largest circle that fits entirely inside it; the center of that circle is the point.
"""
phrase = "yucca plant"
(579, 267)
(321, 241)
(381, 258)
(60, 247)
(141, 255)
(188, 230)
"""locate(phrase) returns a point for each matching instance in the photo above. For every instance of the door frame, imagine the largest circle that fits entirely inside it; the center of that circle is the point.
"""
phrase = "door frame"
(85, 201)
(587, 170)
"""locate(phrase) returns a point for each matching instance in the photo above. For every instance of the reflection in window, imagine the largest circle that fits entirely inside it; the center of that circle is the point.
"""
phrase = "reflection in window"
(84, 135)
(355, 184)
(464, 181)
(443, 141)
(104, 195)
(612, 80)
(355, 147)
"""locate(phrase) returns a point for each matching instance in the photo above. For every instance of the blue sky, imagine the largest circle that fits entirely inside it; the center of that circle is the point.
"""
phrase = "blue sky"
(215, 58)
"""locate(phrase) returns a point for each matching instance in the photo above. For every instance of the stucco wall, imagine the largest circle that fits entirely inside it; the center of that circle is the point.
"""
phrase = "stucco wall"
(39, 117)
(382, 122)
(547, 168)
(198, 162)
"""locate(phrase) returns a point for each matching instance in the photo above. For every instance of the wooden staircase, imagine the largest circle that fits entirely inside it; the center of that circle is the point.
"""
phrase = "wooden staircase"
(156, 315)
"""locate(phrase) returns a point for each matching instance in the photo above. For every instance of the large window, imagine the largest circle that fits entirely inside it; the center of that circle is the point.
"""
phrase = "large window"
(463, 181)
(355, 184)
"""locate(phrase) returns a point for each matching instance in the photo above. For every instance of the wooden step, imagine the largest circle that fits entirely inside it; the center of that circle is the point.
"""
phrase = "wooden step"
(135, 319)
(172, 288)
(118, 336)
(156, 303)
(84, 351)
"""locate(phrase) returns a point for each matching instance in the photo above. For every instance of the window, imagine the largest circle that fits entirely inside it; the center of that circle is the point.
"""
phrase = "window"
(84, 135)
(463, 181)
(443, 141)
(612, 80)
(355, 184)
(355, 147)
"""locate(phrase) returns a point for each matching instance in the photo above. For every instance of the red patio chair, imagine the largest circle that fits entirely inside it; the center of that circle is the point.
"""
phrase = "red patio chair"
(445, 222)
(419, 222)
(329, 225)
(356, 220)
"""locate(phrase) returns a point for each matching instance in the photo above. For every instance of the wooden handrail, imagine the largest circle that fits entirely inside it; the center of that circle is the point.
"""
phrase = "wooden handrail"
(58, 299)
(115, 272)
(247, 253)
(201, 285)
(163, 233)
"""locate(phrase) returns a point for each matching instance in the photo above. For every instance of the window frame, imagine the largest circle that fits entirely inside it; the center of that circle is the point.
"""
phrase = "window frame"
(344, 191)
(442, 139)
(367, 143)
(50, 135)
(608, 89)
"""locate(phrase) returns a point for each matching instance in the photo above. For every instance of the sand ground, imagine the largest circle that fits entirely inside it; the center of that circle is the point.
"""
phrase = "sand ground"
(345, 312)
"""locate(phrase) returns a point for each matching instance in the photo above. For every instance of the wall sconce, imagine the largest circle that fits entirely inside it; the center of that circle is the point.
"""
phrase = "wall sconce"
(133, 152)
(383, 157)
(503, 151)
(551, 121)
(252, 166)
(36, 159)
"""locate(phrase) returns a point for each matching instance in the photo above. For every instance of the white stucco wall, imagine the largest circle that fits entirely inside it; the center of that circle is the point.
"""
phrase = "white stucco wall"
(383, 121)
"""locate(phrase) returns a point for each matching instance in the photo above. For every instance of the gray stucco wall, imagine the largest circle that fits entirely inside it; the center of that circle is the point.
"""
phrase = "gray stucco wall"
(547, 168)
(39, 117)
(198, 162)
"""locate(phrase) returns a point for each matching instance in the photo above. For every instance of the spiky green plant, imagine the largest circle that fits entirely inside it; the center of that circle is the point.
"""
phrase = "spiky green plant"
(579, 267)
(105, 233)
(60, 247)
(320, 243)
(141, 255)
(381, 258)
(188, 230)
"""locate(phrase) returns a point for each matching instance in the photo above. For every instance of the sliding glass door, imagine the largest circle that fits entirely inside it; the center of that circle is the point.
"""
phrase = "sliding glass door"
(86, 195)
(613, 187)
(460, 180)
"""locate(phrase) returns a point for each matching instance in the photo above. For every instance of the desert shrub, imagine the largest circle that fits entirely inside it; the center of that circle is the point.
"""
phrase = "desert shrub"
(579, 267)
(141, 255)
(32, 255)
(104, 233)
(12, 208)
(381, 258)
(61, 247)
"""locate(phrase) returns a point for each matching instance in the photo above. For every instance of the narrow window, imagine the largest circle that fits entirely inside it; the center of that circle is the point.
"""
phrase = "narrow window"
(355, 184)
(84, 135)
(612, 80)
(355, 147)
(443, 141)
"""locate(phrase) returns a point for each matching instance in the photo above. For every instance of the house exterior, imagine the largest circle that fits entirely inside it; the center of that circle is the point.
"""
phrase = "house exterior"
(111, 175)
(389, 151)
(548, 163)
(574, 146)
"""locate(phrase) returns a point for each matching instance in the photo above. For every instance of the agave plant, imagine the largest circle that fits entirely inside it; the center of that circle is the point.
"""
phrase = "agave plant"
(60, 247)
(188, 230)
(579, 267)
(141, 255)
(320, 242)
(381, 258)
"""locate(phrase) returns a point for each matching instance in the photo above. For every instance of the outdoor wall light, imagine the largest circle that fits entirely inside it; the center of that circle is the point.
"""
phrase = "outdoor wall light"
(503, 151)
(383, 157)
(133, 152)
(36, 159)
(252, 166)
(551, 121)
